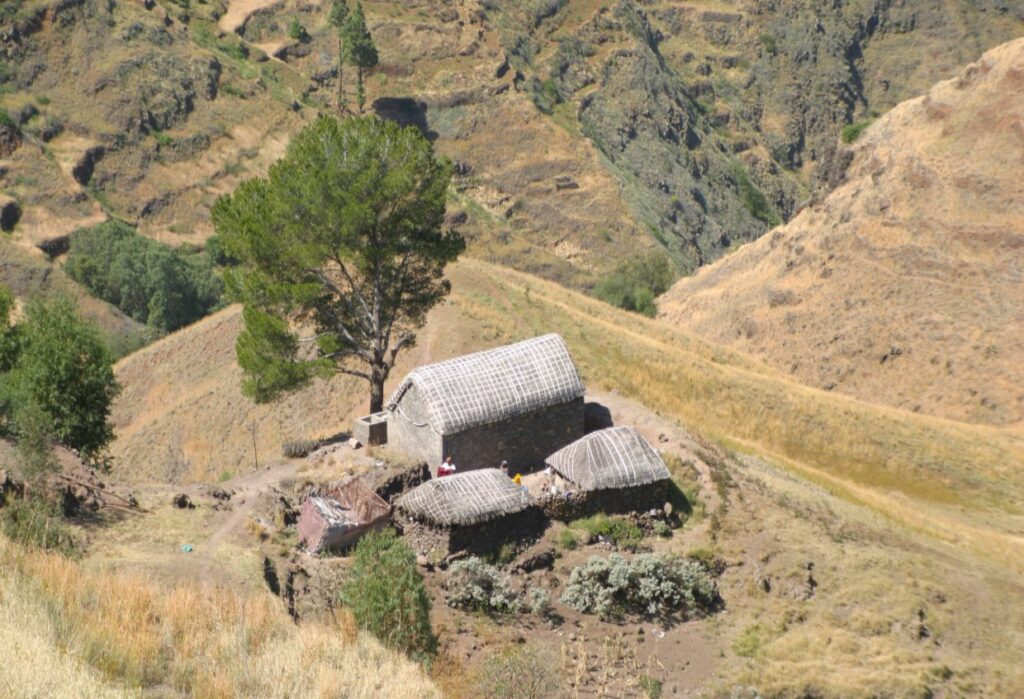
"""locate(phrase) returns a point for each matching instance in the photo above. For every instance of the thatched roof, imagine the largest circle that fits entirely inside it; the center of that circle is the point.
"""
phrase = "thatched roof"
(617, 457)
(465, 498)
(485, 387)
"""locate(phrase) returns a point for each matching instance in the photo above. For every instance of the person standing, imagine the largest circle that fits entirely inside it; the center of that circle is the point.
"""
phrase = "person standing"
(446, 468)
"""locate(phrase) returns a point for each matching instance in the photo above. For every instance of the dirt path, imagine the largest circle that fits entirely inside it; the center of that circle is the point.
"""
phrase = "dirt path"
(239, 11)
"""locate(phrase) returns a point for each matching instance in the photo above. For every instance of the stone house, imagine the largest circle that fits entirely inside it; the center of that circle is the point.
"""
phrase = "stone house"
(476, 512)
(335, 520)
(614, 470)
(516, 403)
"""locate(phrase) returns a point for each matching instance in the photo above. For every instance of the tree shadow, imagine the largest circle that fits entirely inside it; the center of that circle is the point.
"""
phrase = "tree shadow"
(405, 111)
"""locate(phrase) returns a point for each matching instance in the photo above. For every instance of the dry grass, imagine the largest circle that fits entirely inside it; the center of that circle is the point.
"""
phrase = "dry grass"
(957, 480)
(118, 630)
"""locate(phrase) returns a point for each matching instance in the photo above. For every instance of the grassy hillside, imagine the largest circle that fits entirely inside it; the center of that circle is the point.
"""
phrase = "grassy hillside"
(585, 131)
(72, 632)
(905, 285)
(961, 482)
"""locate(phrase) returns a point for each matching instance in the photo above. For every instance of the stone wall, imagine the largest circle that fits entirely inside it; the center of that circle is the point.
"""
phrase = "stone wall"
(579, 504)
(521, 529)
(524, 441)
(409, 433)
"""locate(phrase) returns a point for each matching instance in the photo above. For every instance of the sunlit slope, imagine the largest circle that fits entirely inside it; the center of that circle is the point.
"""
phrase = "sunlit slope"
(963, 482)
(905, 286)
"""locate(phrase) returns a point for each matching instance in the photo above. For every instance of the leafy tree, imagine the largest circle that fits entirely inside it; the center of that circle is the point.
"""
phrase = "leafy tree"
(341, 241)
(360, 50)
(297, 32)
(386, 594)
(151, 282)
(636, 282)
(61, 385)
(337, 18)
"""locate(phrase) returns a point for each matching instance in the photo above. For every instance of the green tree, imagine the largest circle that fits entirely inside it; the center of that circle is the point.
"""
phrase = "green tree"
(636, 283)
(386, 594)
(360, 50)
(341, 254)
(337, 18)
(61, 385)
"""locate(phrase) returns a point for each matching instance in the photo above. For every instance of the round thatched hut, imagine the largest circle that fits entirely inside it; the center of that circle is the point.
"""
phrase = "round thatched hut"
(475, 511)
(611, 470)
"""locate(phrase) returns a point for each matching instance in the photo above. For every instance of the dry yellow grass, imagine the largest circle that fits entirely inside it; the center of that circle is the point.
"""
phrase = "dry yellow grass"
(110, 631)
(905, 285)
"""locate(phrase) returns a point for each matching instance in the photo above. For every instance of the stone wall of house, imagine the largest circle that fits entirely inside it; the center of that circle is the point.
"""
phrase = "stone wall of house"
(410, 433)
(567, 507)
(524, 441)
(520, 529)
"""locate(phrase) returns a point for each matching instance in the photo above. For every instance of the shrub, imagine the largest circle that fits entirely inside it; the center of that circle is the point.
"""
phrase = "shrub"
(619, 531)
(6, 120)
(650, 584)
(634, 284)
(851, 132)
(748, 643)
(35, 522)
(151, 282)
(474, 585)
(540, 602)
(298, 448)
(567, 540)
(385, 592)
(754, 199)
(652, 687)
(520, 672)
(662, 528)
(297, 32)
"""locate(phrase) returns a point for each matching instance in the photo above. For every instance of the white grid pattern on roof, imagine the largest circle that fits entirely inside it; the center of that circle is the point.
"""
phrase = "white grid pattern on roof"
(465, 498)
(494, 385)
(616, 457)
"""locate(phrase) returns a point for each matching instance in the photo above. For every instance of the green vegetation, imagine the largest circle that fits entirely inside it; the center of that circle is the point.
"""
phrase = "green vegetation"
(768, 42)
(297, 32)
(636, 283)
(653, 584)
(754, 199)
(475, 586)
(652, 686)
(851, 132)
(6, 120)
(618, 530)
(338, 17)
(385, 592)
(352, 243)
(151, 282)
(748, 643)
(568, 540)
(360, 51)
(57, 383)
(36, 523)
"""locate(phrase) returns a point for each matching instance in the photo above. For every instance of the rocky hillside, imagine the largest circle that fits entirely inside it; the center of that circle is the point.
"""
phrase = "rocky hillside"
(906, 285)
(584, 131)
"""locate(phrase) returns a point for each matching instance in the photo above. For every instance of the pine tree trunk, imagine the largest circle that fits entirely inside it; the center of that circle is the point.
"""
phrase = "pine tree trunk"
(376, 391)
(361, 95)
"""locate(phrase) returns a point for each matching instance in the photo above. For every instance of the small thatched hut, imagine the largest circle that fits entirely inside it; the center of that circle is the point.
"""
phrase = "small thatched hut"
(476, 511)
(611, 470)
(516, 403)
(337, 519)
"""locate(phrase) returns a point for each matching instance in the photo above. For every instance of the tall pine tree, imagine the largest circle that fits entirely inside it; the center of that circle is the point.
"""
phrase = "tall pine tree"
(338, 18)
(360, 51)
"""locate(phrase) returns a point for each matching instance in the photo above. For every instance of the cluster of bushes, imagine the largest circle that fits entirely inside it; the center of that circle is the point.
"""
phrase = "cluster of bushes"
(299, 448)
(851, 132)
(385, 592)
(636, 283)
(474, 585)
(156, 284)
(619, 531)
(649, 584)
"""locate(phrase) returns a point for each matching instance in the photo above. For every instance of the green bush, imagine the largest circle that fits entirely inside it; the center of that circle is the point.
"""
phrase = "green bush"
(540, 602)
(650, 584)
(297, 32)
(475, 586)
(754, 199)
(851, 132)
(36, 523)
(636, 283)
(652, 687)
(568, 540)
(386, 594)
(6, 120)
(151, 282)
(618, 530)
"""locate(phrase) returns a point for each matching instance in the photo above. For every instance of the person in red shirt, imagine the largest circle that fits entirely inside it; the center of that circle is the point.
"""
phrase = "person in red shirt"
(446, 468)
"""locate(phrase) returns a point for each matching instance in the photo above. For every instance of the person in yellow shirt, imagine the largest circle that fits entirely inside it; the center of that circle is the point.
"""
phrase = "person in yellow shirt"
(517, 479)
